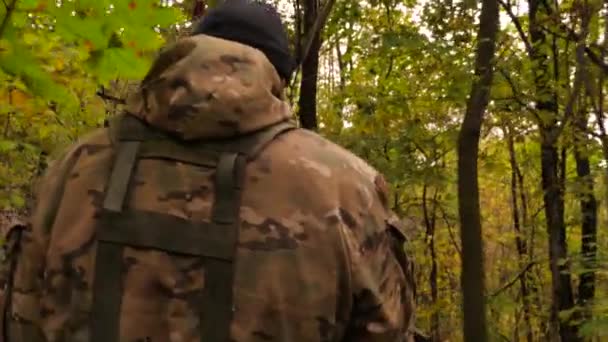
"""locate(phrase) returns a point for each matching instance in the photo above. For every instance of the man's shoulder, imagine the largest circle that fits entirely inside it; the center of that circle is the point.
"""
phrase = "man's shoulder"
(90, 149)
(92, 141)
(310, 147)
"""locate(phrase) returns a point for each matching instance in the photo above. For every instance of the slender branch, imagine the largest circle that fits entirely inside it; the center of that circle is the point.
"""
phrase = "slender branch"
(102, 93)
(7, 16)
(418, 201)
(514, 280)
(572, 98)
(316, 30)
(588, 130)
(571, 35)
(7, 125)
(597, 60)
(579, 74)
(600, 123)
(507, 7)
(451, 234)
(517, 93)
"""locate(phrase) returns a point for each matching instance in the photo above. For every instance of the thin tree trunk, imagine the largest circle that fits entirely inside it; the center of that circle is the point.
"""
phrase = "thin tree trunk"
(588, 202)
(198, 10)
(307, 103)
(520, 242)
(472, 276)
(551, 165)
(562, 298)
(600, 112)
(298, 26)
(430, 222)
(342, 79)
(341, 65)
(600, 117)
(532, 275)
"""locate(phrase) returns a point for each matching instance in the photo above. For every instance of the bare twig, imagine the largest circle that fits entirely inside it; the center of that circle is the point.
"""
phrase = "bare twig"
(514, 280)
(102, 93)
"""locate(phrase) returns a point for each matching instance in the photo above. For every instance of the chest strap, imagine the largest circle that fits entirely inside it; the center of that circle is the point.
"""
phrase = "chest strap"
(213, 241)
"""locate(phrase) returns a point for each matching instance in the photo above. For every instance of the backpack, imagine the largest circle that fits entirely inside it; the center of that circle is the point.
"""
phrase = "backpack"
(119, 227)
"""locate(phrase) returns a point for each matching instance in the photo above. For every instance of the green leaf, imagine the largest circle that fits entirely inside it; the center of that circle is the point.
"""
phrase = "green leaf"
(22, 64)
(7, 145)
(118, 63)
(141, 38)
(166, 16)
(89, 30)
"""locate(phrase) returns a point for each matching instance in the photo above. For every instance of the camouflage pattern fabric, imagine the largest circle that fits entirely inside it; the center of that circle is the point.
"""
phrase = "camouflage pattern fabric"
(320, 255)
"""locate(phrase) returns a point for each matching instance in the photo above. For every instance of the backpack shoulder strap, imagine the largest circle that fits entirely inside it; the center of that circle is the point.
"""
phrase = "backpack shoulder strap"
(253, 144)
(215, 241)
(125, 127)
(217, 303)
(107, 284)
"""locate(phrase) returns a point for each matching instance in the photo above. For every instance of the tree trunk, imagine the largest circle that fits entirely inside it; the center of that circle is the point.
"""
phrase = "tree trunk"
(430, 222)
(198, 10)
(307, 103)
(520, 242)
(600, 112)
(472, 277)
(297, 6)
(562, 296)
(341, 65)
(553, 197)
(588, 202)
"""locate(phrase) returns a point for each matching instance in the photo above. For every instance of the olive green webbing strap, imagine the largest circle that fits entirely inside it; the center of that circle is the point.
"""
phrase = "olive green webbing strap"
(251, 145)
(217, 305)
(107, 286)
(217, 294)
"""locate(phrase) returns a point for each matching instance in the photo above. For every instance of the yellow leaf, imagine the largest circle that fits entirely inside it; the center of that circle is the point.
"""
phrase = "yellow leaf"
(59, 64)
(19, 99)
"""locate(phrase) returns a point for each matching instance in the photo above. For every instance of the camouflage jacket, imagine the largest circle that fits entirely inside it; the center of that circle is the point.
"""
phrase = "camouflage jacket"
(319, 254)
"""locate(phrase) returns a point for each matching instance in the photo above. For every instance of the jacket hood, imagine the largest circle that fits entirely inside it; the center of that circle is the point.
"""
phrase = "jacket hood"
(206, 87)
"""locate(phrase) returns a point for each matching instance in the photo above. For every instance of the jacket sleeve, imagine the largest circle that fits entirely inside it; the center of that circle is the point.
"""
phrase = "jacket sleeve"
(48, 196)
(24, 246)
(382, 280)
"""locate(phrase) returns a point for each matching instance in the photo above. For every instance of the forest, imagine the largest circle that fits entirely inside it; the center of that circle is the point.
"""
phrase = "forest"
(486, 117)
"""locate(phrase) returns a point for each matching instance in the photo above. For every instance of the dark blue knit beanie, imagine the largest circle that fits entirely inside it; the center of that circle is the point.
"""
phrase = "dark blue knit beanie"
(252, 23)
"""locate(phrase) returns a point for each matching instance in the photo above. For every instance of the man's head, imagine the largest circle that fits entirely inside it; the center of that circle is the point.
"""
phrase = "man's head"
(252, 23)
